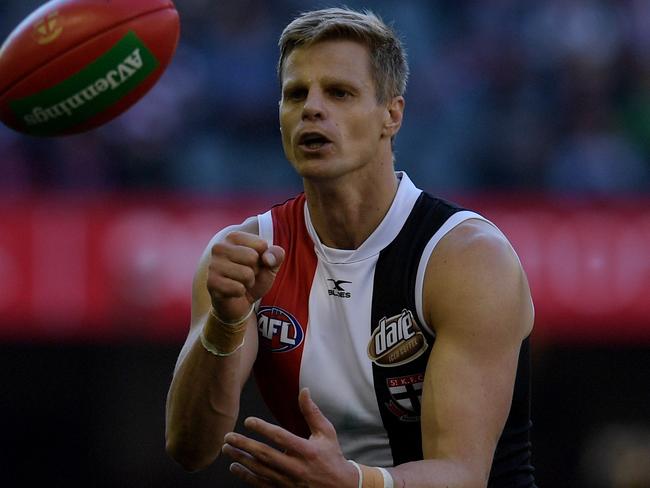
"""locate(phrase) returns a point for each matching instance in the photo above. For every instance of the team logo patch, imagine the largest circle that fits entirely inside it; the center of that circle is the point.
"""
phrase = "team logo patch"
(405, 396)
(396, 340)
(279, 329)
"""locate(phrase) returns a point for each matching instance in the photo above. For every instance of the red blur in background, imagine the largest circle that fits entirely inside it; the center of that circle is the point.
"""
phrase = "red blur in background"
(114, 267)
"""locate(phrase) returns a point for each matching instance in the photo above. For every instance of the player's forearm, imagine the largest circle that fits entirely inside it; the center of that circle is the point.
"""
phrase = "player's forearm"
(438, 473)
(202, 406)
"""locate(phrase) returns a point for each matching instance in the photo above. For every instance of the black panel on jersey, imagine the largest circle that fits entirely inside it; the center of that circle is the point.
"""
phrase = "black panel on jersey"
(394, 287)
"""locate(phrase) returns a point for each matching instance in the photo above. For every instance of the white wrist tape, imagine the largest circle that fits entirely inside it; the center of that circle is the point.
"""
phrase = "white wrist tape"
(374, 480)
(232, 323)
(358, 471)
(388, 479)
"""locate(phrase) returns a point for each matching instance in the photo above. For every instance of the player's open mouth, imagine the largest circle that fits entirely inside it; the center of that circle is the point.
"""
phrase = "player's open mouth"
(313, 141)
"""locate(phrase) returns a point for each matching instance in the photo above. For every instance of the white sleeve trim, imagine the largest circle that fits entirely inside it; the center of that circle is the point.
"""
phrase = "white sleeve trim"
(451, 223)
(265, 230)
(265, 226)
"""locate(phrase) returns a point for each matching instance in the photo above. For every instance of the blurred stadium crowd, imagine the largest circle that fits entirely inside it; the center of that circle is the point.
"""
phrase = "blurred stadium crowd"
(541, 96)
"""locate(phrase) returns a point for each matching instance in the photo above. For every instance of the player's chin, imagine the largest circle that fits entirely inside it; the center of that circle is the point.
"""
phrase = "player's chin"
(314, 165)
(318, 168)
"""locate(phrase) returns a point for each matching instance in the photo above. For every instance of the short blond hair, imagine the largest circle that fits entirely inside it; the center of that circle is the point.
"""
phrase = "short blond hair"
(389, 67)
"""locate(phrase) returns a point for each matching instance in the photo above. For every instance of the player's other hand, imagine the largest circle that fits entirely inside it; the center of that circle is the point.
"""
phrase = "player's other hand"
(289, 461)
(242, 269)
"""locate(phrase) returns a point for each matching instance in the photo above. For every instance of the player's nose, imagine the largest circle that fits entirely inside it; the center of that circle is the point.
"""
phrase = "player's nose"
(314, 107)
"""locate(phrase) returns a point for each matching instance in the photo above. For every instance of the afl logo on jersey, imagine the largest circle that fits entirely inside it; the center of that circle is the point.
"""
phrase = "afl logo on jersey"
(396, 340)
(278, 329)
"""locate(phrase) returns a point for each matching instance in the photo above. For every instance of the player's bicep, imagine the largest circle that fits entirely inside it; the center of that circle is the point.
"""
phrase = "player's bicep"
(480, 308)
(465, 403)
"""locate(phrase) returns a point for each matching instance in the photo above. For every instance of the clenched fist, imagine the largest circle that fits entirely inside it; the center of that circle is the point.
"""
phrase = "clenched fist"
(242, 269)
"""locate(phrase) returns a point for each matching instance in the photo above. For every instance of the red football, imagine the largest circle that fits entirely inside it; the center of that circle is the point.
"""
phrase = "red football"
(73, 65)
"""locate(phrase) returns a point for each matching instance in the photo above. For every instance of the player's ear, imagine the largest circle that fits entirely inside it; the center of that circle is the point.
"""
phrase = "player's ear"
(393, 116)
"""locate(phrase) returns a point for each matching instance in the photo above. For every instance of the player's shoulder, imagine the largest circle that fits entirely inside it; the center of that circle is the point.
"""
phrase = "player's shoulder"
(475, 272)
(471, 259)
(477, 242)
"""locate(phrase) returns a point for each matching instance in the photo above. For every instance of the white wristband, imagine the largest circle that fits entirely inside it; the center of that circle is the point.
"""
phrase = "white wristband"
(232, 323)
(388, 479)
(358, 471)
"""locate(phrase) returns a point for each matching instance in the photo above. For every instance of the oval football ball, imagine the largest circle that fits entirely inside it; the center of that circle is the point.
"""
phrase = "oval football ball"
(73, 65)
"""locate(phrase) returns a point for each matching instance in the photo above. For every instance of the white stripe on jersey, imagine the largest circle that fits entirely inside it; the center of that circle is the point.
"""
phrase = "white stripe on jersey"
(335, 364)
(265, 226)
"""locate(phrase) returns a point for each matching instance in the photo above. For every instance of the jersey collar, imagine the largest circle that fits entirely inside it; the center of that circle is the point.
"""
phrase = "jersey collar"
(405, 198)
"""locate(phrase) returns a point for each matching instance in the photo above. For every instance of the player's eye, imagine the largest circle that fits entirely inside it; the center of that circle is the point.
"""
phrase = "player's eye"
(295, 94)
(339, 93)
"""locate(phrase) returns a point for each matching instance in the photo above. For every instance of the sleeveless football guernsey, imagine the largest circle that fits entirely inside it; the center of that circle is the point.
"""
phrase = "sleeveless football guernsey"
(349, 325)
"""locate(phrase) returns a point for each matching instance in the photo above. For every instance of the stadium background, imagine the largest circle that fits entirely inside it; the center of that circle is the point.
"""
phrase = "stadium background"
(535, 113)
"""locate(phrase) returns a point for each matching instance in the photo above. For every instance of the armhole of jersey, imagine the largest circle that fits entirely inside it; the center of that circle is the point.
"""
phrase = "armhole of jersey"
(265, 230)
(451, 223)
(265, 226)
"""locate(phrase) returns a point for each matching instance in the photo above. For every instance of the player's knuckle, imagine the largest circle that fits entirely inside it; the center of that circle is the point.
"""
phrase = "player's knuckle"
(248, 276)
(211, 277)
(214, 271)
(310, 452)
(214, 287)
(218, 249)
(218, 282)
(264, 457)
(233, 236)
(249, 255)
(238, 289)
(300, 473)
(226, 288)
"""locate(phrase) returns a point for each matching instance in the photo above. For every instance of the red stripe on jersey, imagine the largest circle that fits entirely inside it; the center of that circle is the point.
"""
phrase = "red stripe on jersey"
(283, 316)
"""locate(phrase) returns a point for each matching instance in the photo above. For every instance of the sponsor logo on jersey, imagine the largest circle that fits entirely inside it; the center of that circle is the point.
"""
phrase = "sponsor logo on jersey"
(336, 288)
(396, 340)
(405, 396)
(279, 329)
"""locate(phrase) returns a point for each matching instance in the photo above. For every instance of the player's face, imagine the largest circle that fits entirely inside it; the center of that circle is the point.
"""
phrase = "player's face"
(330, 119)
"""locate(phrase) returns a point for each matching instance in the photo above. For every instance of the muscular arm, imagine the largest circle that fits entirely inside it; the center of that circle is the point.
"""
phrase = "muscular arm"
(203, 399)
(476, 297)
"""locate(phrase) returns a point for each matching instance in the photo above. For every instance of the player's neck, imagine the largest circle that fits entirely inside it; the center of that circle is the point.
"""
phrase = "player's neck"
(347, 211)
